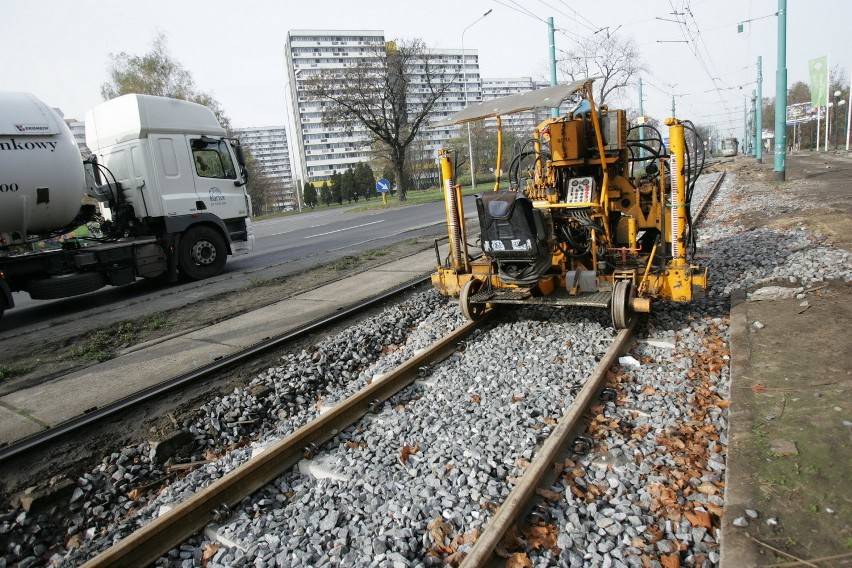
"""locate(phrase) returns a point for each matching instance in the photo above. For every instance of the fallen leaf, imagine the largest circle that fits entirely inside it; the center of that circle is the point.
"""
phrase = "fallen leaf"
(519, 560)
(699, 518)
(439, 530)
(649, 390)
(210, 551)
(542, 537)
(549, 495)
(134, 494)
(670, 561)
(517, 398)
(708, 488)
(408, 451)
(73, 542)
(210, 455)
(758, 388)
(475, 399)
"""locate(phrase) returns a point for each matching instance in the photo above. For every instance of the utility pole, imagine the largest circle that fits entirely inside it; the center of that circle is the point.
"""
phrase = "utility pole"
(758, 138)
(745, 125)
(673, 106)
(554, 111)
(780, 168)
(753, 124)
(642, 118)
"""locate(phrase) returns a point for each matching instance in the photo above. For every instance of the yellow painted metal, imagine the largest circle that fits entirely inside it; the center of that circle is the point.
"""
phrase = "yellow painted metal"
(599, 136)
(452, 204)
(499, 154)
(678, 192)
(631, 233)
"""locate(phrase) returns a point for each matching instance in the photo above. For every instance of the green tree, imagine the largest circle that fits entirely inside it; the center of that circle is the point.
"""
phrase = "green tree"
(156, 73)
(365, 180)
(378, 94)
(260, 187)
(335, 188)
(325, 194)
(348, 189)
(309, 195)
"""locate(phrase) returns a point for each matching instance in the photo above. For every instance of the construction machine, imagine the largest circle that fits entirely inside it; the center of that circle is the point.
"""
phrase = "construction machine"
(595, 215)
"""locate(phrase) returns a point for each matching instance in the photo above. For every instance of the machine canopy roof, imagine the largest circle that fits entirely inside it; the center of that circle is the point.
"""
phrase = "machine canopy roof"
(541, 98)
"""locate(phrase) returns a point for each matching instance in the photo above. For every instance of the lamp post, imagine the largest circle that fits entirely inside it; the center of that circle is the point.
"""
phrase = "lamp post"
(834, 118)
(464, 90)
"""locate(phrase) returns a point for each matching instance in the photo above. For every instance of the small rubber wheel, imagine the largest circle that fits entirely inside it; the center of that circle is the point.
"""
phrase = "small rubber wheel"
(201, 253)
(470, 310)
(619, 306)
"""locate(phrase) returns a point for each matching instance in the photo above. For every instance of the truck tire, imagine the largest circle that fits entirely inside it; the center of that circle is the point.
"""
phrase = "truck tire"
(201, 252)
(65, 286)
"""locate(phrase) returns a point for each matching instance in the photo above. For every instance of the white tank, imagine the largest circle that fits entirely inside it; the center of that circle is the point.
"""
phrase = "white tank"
(42, 180)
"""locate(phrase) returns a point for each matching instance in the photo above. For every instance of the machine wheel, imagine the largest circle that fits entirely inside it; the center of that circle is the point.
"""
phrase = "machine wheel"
(619, 307)
(470, 310)
(65, 286)
(201, 253)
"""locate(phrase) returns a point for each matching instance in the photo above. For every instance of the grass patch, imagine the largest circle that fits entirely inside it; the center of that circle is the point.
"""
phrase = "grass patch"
(155, 321)
(101, 345)
(374, 253)
(12, 371)
(259, 282)
(345, 263)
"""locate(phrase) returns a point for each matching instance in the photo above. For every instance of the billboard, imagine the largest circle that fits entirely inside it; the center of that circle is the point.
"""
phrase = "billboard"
(801, 113)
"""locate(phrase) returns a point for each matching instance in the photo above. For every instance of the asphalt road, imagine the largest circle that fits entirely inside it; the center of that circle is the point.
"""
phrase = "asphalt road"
(305, 240)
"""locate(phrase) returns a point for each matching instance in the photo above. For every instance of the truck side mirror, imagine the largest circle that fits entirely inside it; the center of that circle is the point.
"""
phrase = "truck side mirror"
(241, 159)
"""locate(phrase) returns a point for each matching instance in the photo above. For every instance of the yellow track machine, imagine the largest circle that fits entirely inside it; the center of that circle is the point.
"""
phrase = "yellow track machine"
(577, 226)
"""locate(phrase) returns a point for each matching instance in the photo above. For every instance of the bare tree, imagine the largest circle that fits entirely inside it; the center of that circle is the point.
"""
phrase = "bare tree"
(390, 93)
(614, 58)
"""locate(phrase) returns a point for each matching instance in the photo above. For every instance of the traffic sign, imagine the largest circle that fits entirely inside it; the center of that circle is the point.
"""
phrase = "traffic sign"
(383, 185)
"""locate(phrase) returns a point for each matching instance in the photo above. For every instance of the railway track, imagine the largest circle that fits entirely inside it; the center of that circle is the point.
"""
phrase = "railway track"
(157, 537)
(188, 518)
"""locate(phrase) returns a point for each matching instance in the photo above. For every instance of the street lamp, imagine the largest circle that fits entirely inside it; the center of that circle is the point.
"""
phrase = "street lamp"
(464, 90)
(834, 118)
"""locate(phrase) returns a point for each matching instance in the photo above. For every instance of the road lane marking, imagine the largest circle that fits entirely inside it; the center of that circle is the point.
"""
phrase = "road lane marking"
(346, 229)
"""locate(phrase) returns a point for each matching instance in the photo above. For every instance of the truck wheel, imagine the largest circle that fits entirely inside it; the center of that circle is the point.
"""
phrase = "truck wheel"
(65, 286)
(201, 253)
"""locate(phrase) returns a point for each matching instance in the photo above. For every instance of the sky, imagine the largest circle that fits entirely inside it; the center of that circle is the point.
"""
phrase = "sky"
(59, 50)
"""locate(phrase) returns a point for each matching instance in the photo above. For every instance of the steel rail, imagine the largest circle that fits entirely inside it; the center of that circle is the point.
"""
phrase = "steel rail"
(517, 503)
(155, 539)
(32, 442)
(709, 197)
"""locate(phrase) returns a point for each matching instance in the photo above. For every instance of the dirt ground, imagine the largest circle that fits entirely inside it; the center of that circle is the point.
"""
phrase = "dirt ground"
(791, 441)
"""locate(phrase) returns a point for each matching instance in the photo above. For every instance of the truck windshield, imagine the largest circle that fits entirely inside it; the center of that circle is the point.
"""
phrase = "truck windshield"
(214, 160)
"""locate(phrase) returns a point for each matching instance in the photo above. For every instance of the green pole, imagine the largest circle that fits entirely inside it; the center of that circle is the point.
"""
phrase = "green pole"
(554, 111)
(753, 125)
(758, 132)
(642, 114)
(781, 96)
(745, 125)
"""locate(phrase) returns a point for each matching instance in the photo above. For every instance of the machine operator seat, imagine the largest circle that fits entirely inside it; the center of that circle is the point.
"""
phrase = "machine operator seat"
(513, 233)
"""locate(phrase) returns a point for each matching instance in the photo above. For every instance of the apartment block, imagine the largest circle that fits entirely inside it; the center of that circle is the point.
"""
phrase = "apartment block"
(320, 149)
(269, 146)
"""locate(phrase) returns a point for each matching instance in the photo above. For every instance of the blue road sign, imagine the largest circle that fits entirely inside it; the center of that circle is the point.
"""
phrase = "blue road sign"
(383, 186)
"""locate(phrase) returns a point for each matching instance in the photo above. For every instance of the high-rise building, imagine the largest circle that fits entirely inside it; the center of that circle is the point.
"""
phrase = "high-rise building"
(269, 146)
(320, 149)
